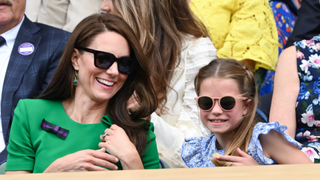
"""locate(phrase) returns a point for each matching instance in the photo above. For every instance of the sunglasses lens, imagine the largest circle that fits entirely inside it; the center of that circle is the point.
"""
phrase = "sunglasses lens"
(126, 65)
(103, 60)
(205, 103)
(227, 102)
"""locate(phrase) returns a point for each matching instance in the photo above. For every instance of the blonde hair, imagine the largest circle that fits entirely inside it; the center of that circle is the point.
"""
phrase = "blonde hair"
(230, 68)
(161, 26)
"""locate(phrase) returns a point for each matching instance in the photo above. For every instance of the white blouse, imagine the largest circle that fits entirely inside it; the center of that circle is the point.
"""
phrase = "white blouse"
(182, 119)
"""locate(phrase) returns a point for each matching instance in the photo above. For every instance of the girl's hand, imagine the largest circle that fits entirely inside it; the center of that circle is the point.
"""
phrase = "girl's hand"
(117, 143)
(244, 159)
(85, 160)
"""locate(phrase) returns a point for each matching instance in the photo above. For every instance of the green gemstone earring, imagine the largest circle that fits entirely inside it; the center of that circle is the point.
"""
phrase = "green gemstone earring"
(75, 82)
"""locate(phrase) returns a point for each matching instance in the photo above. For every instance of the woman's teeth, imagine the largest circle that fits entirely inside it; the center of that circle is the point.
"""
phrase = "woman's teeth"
(107, 83)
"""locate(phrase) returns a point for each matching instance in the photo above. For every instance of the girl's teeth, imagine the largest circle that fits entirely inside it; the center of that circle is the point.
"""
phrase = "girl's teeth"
(216, 120)
(107, 83)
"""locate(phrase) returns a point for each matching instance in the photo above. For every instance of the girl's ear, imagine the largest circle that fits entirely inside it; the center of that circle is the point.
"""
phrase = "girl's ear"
(75, 59)
(247, 106)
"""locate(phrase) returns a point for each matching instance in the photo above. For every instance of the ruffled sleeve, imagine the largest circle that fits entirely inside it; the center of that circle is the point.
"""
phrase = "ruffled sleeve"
(197, 151)
(255, 148)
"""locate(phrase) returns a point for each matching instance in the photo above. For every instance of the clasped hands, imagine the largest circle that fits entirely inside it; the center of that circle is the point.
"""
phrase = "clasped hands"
(115, 142)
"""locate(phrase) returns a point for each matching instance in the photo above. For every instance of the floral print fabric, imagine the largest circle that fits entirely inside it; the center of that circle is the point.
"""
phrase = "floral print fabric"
(308, 102)
(197, 151)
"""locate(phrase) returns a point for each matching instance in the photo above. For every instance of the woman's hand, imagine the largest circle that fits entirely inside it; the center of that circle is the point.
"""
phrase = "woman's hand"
(117, 143)
(244, 159)
(85, 160)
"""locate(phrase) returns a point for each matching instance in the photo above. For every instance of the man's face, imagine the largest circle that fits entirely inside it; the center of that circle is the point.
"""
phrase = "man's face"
(11, 13)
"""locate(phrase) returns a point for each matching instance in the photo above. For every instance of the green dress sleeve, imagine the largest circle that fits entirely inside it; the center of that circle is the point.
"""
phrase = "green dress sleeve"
(150, 157)
(20, 152)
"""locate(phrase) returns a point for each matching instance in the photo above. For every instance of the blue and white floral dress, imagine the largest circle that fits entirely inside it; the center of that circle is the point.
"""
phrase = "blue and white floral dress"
(197, 151)
(308, 102)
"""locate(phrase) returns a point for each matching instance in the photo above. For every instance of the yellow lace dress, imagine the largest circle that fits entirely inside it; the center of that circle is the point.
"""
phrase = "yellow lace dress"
(241, 29)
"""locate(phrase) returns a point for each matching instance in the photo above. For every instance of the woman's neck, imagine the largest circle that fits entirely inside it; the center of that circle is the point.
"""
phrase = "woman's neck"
(84, 110)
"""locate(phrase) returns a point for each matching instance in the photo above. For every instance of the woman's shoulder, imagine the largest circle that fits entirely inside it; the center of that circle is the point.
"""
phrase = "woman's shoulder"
(38, 103)
(34, 111)
(191, 40)
(198, 51)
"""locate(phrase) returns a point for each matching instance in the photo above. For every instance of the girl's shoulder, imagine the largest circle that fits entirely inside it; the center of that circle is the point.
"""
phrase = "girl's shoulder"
(255, 147)
(265, 128)
(197, 151)
(199, 140)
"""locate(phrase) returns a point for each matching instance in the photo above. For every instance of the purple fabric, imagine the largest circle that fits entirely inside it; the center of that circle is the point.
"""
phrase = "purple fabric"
(57, 130)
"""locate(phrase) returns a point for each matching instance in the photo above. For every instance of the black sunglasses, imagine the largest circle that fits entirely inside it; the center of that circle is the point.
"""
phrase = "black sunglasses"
(104, 60)
(227, 103)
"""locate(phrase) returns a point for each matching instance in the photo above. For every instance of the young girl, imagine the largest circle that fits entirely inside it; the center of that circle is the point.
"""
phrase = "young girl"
(227, 98)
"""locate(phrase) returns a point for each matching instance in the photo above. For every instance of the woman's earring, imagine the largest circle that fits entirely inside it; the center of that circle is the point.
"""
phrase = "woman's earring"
(75, 82)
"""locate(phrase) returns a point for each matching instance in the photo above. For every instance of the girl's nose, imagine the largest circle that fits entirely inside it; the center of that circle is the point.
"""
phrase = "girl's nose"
(216, 109)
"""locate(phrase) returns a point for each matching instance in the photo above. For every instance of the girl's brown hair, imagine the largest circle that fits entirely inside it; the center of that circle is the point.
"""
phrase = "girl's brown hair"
(232, 69)
(61, 86)
(161, 26)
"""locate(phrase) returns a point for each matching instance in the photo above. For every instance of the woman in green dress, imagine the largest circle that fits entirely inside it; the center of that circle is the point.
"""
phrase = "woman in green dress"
(80, 122)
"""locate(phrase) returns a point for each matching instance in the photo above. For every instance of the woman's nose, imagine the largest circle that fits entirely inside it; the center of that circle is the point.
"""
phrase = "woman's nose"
(113, 69)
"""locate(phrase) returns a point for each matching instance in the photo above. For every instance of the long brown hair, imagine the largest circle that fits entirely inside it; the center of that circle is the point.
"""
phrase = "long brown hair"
(61, 86)
(161, 26)
(232, 69)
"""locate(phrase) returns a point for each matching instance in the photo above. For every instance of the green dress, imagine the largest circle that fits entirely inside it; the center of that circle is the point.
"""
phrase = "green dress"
(33, 149)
